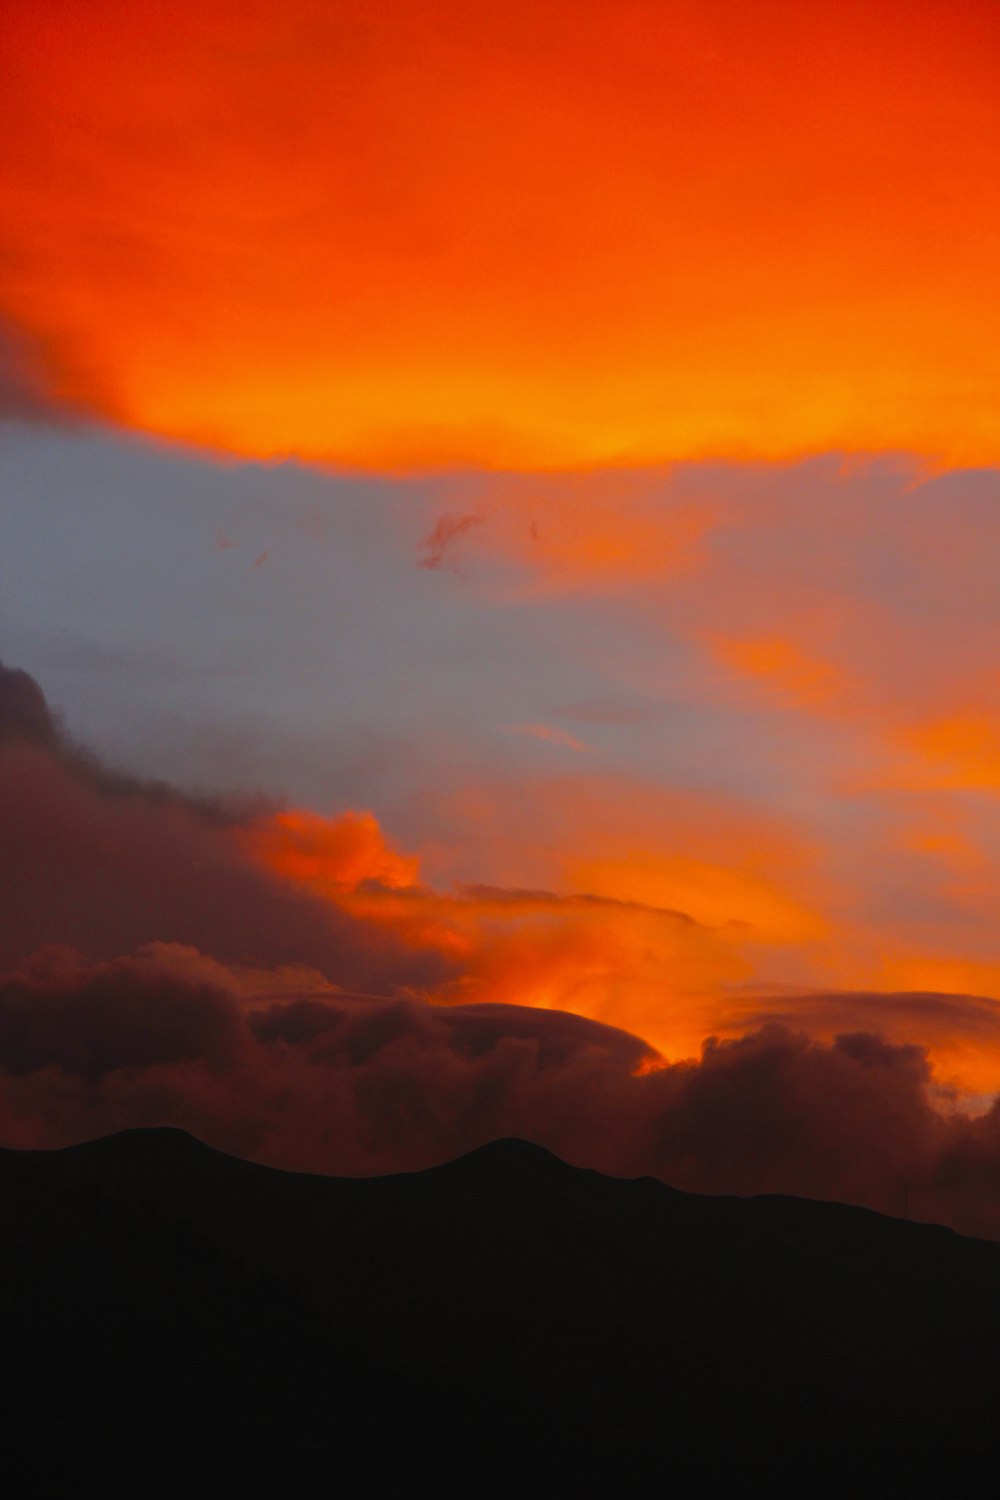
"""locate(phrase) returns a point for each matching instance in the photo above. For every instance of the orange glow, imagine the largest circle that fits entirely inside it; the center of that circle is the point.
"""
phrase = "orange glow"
(668, 946)
(329, 855)
(782, 667)
(597, 531)
(715, 895)
(960, 752)
(603, 950)
(429, 232)
(934, 1006)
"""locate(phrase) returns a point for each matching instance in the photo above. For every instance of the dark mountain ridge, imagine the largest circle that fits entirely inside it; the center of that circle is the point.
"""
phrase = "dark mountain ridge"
(180, 1321)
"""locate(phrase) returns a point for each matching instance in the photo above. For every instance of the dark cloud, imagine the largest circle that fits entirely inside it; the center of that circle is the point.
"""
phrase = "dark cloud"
(530, 899)
(106, 863)
(557, 1035)
(27, 718)
(326, 1082)
(958, 1029)
(197, 989)
(130, 1013)
(24, 713)
(777, 1112)
(350, 1084)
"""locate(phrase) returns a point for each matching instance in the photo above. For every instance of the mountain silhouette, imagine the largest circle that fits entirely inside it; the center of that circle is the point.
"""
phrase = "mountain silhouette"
(179, 1322)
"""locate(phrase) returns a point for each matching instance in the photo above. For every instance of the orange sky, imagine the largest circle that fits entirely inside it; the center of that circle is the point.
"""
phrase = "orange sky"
(591, 238)
(848, 608)
(430, 232)
(689, 921)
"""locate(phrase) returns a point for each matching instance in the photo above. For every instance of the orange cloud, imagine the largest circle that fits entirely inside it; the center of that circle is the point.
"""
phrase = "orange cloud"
(431, 234)
(678, 917)
(329, 855)
(672, 916)
(940, 1008)
(714, 894)
(599, 954)
(782, 667)
(560, 533)
(671, 948)
(643, 940)
(959, 752)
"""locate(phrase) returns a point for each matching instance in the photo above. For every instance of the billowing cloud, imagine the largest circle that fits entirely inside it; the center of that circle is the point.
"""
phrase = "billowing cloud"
(129, 1013)
(319, 1080)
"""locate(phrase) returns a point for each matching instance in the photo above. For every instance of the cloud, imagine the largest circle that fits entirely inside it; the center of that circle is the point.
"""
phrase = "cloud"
(856, 595)
(310, 1078)
(822, 646)
(642, 963)
(290, 988)
(24, 712)
(128, 1013)
(849, 1120)
(960, 1032)
(106, 863)
(323, 1081)
(591, 532)
(673, 946)
(438, 550)
(781, 667)
(517, 292)
(674, 916)
(329, 855)
(547, 734)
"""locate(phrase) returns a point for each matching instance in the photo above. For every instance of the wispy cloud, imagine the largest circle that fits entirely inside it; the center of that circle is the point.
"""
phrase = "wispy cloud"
(548, 734)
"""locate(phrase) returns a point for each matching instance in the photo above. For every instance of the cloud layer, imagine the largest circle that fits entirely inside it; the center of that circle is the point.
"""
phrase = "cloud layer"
(106, 862)
(319, 1081)
(641, 232)
(285, 987)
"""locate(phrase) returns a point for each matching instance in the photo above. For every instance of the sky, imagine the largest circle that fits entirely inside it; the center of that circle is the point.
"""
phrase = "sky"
(498, 520)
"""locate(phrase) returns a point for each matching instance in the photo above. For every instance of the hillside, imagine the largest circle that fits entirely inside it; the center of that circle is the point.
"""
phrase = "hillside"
(178, 1321)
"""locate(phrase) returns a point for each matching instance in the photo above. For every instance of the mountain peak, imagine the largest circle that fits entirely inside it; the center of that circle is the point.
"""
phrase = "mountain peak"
(146, 1138)
(509, 1155)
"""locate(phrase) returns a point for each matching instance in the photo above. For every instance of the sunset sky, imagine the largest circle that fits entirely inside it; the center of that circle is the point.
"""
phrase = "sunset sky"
(502, 503)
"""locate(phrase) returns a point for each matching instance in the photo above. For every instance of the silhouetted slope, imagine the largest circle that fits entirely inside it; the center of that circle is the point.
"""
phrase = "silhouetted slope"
(179, 1322)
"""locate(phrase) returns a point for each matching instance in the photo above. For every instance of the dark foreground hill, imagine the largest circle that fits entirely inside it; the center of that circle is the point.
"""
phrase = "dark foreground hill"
(176, 1322)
